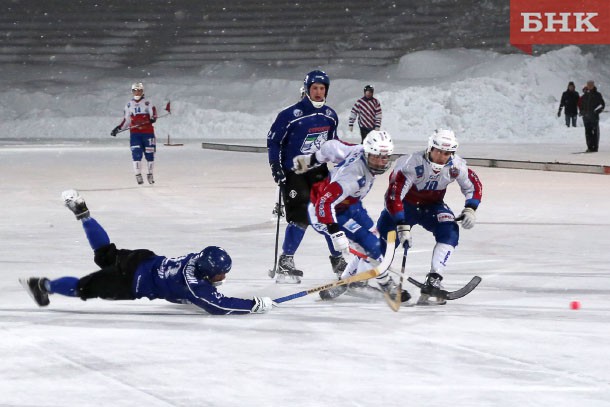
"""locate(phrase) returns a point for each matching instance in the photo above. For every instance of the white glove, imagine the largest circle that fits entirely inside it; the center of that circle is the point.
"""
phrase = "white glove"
(469, 218)
(340, 242)
(303, 163)
(404, 235)
(261, 305)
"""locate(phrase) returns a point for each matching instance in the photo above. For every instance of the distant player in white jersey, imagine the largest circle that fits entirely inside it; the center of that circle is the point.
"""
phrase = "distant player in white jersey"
(336, 204)
(138, 116)
(415, 197)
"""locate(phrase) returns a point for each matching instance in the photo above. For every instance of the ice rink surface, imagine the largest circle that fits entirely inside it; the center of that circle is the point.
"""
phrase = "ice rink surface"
(541, 241)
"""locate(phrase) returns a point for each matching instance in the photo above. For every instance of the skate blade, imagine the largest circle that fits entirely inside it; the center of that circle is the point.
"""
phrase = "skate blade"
(284, 279)
(426, 300)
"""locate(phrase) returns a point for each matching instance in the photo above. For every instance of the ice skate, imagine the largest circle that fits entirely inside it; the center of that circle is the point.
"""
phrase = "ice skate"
(333, 293)
(286, 272)
(432, 293)
(139, 179)
(338, 264)
(36, 289)
(75, 203)
(391, 288)
(150, 179)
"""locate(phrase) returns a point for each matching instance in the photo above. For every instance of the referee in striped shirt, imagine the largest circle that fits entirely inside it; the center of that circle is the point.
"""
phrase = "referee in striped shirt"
(368, 111)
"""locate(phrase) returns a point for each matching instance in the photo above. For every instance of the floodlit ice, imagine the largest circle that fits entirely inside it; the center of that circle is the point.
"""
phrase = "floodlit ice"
(540, 242)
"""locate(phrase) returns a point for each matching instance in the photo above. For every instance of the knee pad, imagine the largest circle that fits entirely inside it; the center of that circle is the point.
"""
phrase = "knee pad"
(136, 153)
(447, 232)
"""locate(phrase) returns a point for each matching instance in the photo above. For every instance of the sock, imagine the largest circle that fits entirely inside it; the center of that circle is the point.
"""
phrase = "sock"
(96, 235)
(292, 239)
(65, 286)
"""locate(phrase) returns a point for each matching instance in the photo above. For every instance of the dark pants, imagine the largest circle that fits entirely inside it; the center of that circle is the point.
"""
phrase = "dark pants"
(591, 132)
(571, 119)
(115, 279)
(364, 132)
(296, 193)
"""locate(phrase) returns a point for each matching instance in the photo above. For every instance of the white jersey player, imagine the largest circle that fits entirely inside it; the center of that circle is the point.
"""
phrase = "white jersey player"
(415, 196)
(336, 204)
(139, 115)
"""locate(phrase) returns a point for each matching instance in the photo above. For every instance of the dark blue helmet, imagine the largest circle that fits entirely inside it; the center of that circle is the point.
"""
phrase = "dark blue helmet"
(214, 260)
(316, 77)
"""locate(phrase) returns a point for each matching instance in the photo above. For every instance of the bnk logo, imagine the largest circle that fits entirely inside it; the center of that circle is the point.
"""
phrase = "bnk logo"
(563, 22)
(559, 22)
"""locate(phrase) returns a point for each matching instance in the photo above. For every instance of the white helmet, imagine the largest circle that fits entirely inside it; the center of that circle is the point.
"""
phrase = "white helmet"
(137, 86)
(444, 140)
(378, 143)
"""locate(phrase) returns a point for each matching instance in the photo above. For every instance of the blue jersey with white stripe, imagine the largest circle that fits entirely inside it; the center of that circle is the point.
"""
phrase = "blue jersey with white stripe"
(173, 279)
(300, 129)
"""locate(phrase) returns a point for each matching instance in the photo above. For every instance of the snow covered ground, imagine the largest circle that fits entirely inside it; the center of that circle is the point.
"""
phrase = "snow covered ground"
(540, 243)
(483, 96)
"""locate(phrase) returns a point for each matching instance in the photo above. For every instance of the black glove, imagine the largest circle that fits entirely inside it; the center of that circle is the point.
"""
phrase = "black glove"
(559, 113)
(152, 120)
(278, 173)
(114, 131)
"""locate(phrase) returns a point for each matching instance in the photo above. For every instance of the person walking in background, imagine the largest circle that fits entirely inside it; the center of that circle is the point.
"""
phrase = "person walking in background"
(569, 102)
(138, 116)
(368, 111)
(591, 105)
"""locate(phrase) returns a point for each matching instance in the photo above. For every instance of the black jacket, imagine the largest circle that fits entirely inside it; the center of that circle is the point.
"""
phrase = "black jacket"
(569, 101)
(591, 104)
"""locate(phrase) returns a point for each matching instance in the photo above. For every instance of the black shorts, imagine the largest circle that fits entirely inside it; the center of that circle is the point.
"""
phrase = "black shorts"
(296, 193)
(115, 280)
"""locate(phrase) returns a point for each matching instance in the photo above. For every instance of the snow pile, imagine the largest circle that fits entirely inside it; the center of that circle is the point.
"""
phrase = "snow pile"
(483, 95)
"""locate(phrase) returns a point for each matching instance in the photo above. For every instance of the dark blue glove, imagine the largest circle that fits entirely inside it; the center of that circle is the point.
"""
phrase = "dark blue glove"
(114, 131)
(278, 173)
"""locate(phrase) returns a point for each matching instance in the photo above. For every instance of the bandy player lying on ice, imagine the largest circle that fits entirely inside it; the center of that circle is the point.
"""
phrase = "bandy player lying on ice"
(415, 197)
(336, 209)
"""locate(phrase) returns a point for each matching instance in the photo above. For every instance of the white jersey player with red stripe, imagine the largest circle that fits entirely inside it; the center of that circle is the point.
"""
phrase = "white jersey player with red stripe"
(415, 197)
(336, 203)
(414, 181)
(349, 181)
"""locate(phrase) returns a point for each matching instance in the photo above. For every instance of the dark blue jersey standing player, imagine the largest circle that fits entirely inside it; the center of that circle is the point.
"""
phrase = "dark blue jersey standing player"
(131, 274)
(301, 129)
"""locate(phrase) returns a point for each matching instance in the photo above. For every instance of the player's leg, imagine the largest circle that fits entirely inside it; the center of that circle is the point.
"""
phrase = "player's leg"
(137, 152)
(150, 149)
(296, 199)
(439, 220)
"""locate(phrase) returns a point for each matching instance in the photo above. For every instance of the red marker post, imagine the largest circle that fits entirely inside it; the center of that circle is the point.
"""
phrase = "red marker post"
(558, 22)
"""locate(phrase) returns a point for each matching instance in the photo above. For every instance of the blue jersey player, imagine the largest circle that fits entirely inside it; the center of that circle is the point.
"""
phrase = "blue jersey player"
(131, 274)
(301, 129)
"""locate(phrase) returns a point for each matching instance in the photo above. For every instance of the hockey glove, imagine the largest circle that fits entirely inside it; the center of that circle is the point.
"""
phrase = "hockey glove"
(468, 218)
(303, 163)
(278, 173)
(152, 120)
(404, 235)
(340, 242)
(261, 305)
(115, 131)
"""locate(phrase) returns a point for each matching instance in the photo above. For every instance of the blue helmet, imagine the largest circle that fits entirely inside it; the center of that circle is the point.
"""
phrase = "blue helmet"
(214, 260)
(316, 77)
